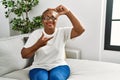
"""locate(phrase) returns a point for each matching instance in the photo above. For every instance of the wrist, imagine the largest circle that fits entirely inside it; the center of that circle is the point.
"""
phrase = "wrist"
(67, 13)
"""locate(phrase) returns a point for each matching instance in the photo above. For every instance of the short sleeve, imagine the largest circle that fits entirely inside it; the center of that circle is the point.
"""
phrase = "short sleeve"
(67, 33)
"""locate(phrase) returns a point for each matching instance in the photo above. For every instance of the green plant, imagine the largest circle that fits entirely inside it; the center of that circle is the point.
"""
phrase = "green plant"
(21, 8)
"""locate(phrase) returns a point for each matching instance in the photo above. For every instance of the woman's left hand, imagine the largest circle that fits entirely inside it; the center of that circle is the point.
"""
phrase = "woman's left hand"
(62, 10)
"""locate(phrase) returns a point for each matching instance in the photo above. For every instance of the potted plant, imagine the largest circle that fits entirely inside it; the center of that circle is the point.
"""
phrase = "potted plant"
(21, 8)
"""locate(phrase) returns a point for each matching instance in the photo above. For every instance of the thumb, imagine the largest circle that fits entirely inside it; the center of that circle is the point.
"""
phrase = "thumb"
(49, 38)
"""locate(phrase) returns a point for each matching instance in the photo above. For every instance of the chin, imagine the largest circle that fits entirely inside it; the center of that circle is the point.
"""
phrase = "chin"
(51, 27)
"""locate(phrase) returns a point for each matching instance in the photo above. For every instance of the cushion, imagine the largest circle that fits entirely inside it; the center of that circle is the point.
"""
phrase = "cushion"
(1, 78)
(10, 54)
(20, 74)
(32, 58)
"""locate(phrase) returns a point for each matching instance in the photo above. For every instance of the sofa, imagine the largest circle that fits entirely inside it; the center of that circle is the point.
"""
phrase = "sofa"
(14, 67)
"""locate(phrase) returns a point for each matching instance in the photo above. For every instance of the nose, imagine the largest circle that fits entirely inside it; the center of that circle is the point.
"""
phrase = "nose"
(50, 19)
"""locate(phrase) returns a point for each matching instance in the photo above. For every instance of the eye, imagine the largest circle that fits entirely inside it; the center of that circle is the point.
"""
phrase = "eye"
(47, 18)
(53, 18)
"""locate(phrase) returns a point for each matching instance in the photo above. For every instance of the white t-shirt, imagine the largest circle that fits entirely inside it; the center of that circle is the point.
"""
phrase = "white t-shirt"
(52, 54)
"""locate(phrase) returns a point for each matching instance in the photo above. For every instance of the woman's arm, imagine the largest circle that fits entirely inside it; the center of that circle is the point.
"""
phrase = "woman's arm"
(29, 52)
(77, 27)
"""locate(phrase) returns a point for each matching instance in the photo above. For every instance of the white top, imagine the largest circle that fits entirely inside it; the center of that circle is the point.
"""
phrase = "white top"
(52, 54)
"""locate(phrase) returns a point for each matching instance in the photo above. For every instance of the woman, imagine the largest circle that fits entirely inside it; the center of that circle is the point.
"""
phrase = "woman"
(48, 44)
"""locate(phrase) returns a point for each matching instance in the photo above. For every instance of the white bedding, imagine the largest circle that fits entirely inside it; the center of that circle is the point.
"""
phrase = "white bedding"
(93, 70)
(82, 70)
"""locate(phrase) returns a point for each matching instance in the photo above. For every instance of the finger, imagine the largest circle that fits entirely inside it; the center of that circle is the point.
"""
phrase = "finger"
(57, 8)
(60, 9)
(49, 38)
(60, 5)
(62, 13)
(52, 9)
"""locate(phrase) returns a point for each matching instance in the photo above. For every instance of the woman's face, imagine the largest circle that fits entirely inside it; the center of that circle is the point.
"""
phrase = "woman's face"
(49, 19)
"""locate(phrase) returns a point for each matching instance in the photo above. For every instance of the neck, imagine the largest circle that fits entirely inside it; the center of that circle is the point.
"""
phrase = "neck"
(49, 31)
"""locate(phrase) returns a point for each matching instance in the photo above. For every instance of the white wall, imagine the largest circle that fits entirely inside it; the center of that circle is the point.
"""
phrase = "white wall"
(4, 23)
(106, 55)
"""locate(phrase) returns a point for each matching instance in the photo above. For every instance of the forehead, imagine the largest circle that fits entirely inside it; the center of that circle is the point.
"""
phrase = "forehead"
(50, 13)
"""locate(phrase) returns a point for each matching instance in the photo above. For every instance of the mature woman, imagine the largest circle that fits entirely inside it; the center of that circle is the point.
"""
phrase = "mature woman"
(47, 46)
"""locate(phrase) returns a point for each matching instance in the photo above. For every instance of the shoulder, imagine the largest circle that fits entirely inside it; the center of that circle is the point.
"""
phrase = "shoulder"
(37, 31)
(64, 28)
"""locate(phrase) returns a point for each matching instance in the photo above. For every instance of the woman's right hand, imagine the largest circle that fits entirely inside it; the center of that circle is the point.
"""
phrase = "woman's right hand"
(43, 40)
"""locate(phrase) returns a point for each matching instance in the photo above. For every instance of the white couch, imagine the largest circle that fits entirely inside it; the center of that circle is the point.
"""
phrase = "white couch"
(13, 66)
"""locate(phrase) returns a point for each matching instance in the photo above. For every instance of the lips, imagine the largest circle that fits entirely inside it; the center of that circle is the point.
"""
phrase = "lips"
(49, 24)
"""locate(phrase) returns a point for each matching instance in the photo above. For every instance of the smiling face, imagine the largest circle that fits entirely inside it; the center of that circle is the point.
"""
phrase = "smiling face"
(49, 19)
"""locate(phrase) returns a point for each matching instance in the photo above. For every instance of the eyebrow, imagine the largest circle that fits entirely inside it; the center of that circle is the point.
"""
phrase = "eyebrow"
(50, 16)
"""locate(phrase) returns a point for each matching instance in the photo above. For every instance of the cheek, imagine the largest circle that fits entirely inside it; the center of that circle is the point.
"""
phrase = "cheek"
(43, 22)
(55, 21)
